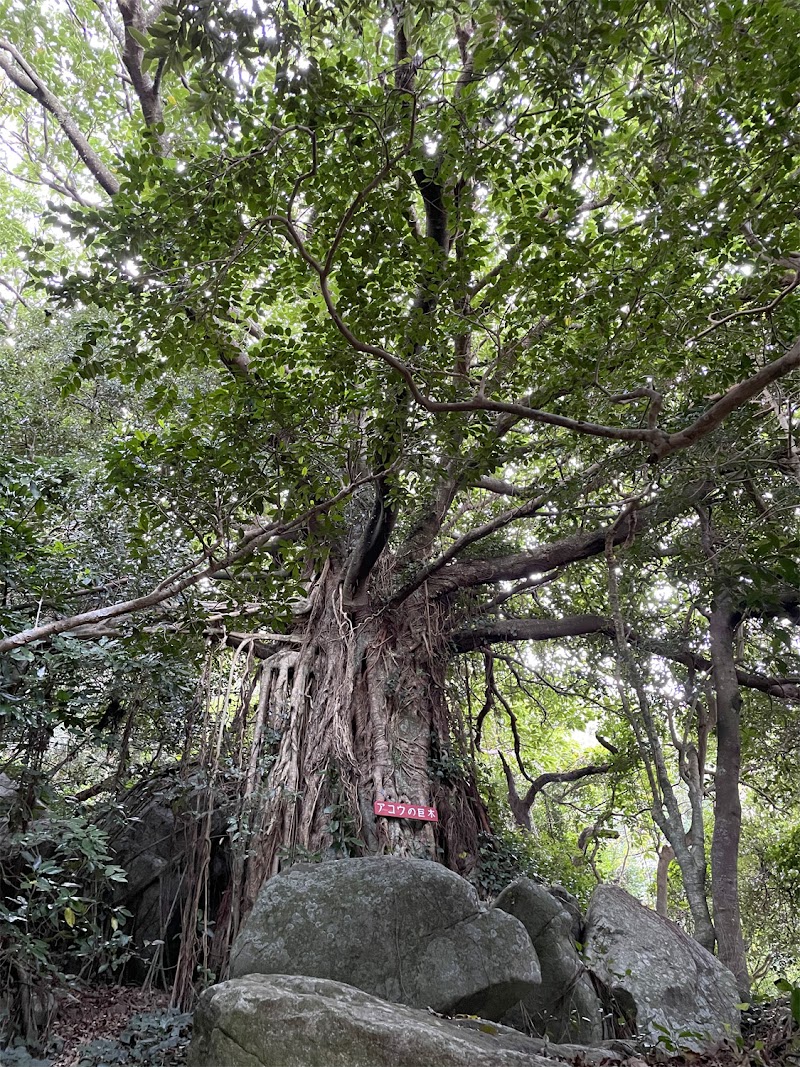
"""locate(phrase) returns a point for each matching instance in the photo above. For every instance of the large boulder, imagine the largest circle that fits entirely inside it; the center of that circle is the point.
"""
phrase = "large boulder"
(668, 988)
(293, 1021)
(565, 1007)
(406, 930)
(152, 836)
(572, 907)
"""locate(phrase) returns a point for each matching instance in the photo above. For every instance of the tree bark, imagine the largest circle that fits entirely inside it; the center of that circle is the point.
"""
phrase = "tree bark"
(689, 847)
(693, 874)
(665, 857)
(356, 714)
(727, 804)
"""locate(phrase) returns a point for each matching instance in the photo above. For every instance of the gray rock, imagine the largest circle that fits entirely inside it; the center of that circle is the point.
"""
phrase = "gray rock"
(8, 791)
(406, 930)
(293, 1021)
(604, 1054)
(8, 795)
(571, 904)
(152, 838)
(665, 984)
(564, 1007)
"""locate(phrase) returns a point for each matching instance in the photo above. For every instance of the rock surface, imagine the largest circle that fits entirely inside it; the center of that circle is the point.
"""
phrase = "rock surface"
(564, 1007)
(152, 841)
(662, 981)
(604, 1055)
(292, 1021)
(409, 931)
(571, 905)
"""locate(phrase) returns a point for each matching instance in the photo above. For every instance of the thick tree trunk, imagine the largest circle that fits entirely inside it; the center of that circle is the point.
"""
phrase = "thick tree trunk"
(727, 805)
(694, 884)
(356, 714)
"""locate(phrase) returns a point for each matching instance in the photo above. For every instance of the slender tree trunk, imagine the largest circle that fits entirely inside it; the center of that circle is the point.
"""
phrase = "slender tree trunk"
(665, 858)
(727, 804)
(694, 884)
(689, 848)
(691, 859)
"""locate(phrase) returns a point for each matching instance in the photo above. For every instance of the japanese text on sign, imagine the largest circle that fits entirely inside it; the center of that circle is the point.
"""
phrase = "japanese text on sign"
(404, 811)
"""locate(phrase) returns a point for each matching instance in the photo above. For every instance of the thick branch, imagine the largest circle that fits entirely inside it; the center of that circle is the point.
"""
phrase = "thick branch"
(502, 487)
(521, 806)
(522, 815)
(471, 537)
(23, 75)
(467, 539)
(578, 546)
(735, 397)
(538, 784)
(548, 629)
(178, 582)
(263, 645)
(503, 630)
(371, 544)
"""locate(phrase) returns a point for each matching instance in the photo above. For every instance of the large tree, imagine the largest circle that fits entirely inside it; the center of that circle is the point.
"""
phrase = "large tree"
(477, 303)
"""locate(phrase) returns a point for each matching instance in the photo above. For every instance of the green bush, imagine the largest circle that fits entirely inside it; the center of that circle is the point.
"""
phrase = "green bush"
(156, 1039)
(56, 914)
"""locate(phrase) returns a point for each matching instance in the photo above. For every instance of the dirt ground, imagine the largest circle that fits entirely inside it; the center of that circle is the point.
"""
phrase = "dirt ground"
(100, 1012)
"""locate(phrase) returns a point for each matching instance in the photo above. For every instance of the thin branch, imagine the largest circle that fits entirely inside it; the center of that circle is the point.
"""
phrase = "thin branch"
(488, 700)
(661, 443)
(520, 587)
(763, 309)
(377, 180)
(19, 298)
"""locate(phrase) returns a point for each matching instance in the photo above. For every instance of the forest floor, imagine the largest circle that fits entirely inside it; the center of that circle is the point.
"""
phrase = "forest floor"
(127, 1026)
(119, 1025)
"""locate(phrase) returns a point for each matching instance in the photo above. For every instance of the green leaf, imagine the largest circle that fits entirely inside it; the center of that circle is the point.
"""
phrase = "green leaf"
(138, 36)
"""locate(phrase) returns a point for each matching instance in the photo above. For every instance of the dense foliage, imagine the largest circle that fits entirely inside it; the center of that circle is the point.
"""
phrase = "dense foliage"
(398, 402)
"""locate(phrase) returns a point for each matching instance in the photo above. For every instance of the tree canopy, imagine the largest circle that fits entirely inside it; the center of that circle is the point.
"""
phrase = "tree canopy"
(431, 368)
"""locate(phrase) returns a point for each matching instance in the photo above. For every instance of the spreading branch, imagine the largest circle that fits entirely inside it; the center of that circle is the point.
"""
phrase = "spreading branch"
(204, 568)
(736, 397)
(661, 443)
(572, 549)
(501, 631)
(24, 76)
(521, 805)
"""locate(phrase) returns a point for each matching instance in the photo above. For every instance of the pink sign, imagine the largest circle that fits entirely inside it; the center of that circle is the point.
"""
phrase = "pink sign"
(404, 811)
